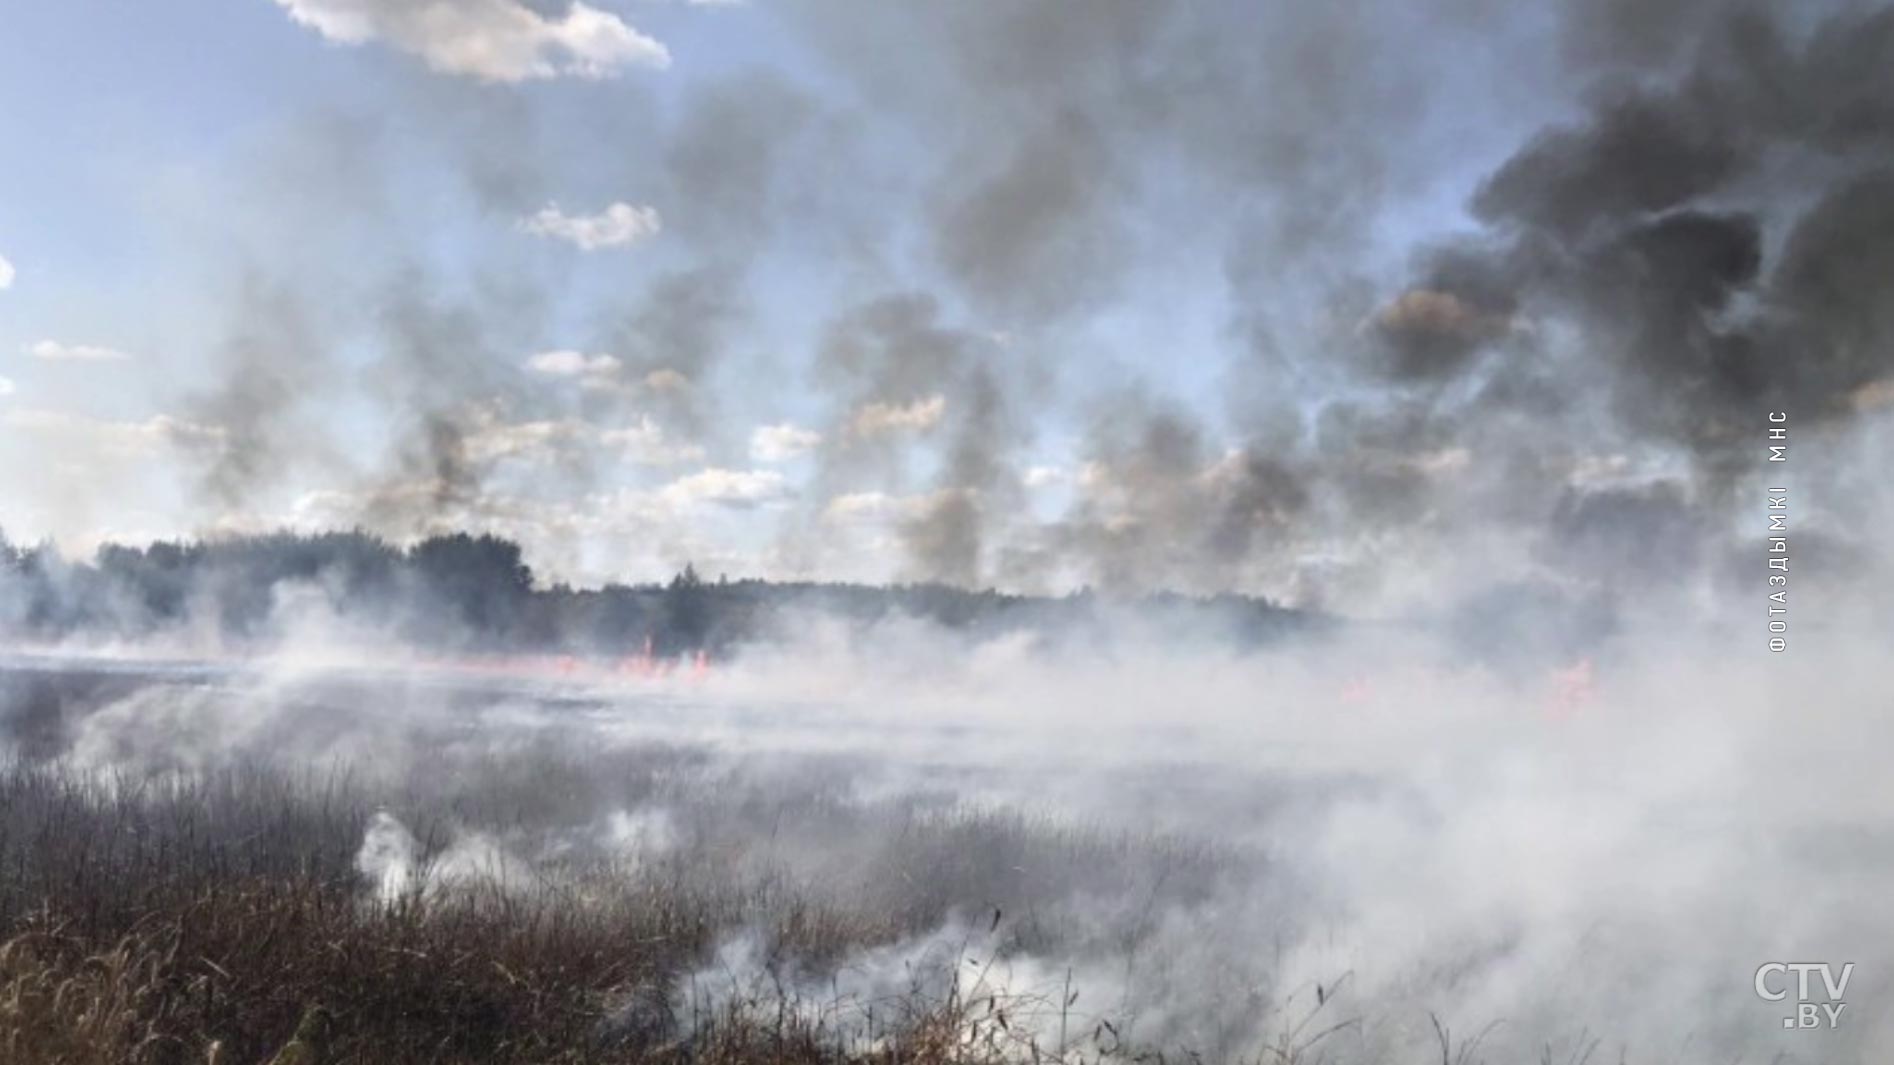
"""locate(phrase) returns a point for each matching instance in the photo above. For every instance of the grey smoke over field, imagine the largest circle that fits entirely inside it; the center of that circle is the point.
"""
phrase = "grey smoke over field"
(271, 366)
(1191, 839)
(898, 371)
(1545, 321)
(1647, 223)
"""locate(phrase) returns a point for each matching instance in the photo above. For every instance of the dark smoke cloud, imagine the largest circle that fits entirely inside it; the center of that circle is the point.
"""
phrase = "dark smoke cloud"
(904, 378)
(1638, 155)
(1432, 331)
(1069, 138)
(1075, 150)
(1647, 226)
(675, 336)
(336, 343)
(1632, 536)
(1703, 239)
(1708, 244)
(1162, 506)
(272, 363)
(735, 159)
(1026, 240)
(440, 357)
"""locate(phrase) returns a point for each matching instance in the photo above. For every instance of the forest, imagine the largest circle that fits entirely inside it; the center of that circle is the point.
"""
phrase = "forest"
(475, 593)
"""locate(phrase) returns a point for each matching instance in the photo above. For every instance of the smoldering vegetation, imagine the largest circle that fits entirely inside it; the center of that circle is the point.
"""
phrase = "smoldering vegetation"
(172, 887)
(843, 851)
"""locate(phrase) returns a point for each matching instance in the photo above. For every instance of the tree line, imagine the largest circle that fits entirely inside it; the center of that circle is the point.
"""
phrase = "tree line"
(466, 592)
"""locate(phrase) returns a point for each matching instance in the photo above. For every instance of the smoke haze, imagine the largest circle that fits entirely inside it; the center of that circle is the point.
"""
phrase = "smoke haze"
(1194, 297)
(1260, 517)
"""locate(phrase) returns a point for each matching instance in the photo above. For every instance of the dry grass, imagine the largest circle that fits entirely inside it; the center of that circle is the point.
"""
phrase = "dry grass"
(61, 1004)
(233, 977)
(185, 918)
(188, 891)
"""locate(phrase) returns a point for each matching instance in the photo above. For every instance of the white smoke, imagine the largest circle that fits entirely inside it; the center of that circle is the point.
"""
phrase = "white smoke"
(400, 871)
(1612, 850)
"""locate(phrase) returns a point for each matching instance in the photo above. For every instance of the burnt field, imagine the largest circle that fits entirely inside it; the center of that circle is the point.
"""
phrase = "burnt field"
(432, 865)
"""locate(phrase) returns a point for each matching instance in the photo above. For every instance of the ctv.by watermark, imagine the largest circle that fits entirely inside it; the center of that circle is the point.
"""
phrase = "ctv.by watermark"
(1775, 980)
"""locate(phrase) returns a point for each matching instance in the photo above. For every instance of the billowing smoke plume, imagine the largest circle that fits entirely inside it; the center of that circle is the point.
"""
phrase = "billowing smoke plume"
(1208, 298)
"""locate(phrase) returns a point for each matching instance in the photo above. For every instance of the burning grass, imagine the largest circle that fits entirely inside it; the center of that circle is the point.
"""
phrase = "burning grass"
(191, 917)
(193, 869)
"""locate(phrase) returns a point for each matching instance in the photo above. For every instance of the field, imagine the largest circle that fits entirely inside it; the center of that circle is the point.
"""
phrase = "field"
(197, 864)
(519, 898)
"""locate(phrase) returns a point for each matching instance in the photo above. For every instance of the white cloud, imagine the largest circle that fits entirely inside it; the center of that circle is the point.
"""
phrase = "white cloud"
(6, 386)
(1094, 476)
(617, 225)
(496, 440)
(864, 508)
(645, 443)
(780, 443)
(573, 364)
(730, 488)
(919, 416)
(140, 438)
(1045, 476)
(860, 506)
(666, 379)
(54, 351)
(489, 437)
(604, 373)
(492, 40)
(6, 273)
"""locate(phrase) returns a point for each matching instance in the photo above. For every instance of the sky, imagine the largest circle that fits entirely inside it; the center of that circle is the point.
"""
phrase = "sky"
(1342, 304)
